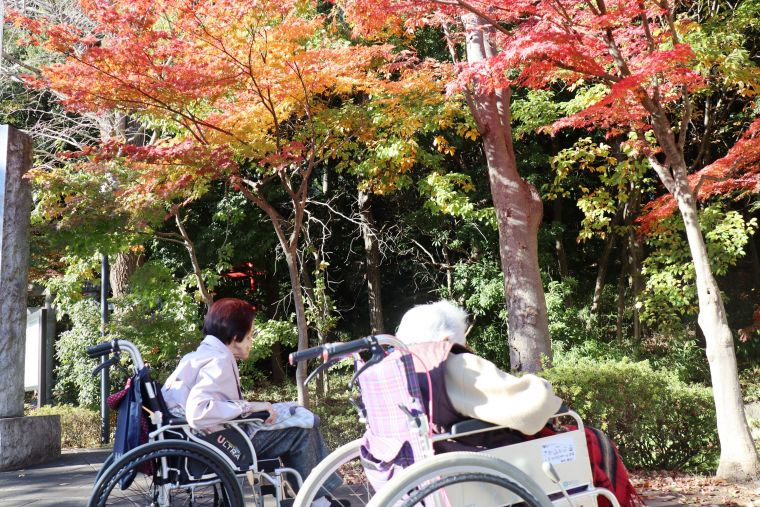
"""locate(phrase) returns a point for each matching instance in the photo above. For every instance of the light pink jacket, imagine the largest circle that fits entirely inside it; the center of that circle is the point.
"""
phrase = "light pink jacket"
(206, 386)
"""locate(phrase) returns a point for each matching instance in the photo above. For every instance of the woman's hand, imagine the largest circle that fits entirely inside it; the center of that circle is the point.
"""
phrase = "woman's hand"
(261, 406)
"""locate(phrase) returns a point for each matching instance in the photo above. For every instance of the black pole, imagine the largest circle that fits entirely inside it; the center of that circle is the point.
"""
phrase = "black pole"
(105, 423)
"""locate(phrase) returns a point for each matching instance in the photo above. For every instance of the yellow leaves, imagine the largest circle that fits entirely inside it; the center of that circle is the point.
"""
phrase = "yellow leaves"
(443, 146)
(406, 164)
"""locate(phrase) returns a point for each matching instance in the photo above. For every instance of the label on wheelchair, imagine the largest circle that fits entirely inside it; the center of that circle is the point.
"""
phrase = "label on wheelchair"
(232, 444)
(559, 450)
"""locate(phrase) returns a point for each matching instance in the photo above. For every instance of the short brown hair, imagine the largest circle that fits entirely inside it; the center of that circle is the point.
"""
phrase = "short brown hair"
(229, 319)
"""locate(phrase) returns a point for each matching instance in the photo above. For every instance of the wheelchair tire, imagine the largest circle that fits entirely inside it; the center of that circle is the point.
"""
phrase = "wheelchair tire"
(498, 478)
(168, 484)
(345, 461)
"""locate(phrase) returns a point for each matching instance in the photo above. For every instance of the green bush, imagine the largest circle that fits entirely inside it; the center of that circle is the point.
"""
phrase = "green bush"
(80, 427)
(74, 380)
(656, 420)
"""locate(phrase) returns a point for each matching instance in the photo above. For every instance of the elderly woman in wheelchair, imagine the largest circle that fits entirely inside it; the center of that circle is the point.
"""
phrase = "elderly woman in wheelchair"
(416, 392)
(206, 440)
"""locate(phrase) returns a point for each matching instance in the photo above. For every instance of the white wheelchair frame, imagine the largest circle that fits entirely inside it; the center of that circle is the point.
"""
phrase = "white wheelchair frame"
(550, 471)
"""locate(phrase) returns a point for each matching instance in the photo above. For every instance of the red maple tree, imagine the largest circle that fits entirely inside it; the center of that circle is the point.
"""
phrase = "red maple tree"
(636, 50)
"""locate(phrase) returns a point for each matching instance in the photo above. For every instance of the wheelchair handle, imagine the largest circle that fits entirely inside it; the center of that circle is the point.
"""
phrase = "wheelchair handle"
(102, 349)
(330, 351)
(118, 346)
(106, 364)
(304, 355)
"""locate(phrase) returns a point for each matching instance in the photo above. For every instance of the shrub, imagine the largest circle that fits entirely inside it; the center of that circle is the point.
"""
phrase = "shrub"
(339, 419)
(159, 315)
(80, 427)
(74, 380)
(656, 420)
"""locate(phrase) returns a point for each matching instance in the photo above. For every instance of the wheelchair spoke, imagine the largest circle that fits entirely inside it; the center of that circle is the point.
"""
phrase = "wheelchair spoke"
(167, 477)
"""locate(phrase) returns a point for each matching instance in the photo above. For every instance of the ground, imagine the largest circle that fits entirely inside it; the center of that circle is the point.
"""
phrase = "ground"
(675, 488)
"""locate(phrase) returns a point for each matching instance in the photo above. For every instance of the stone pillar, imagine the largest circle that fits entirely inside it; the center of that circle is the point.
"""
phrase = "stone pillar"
(15, 210)
(24, 441)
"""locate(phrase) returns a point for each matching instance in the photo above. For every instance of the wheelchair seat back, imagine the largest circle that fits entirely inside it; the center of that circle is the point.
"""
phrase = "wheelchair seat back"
(397, 427)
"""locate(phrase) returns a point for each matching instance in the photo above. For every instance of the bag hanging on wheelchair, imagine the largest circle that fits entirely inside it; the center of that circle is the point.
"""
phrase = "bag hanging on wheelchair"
(128, 403)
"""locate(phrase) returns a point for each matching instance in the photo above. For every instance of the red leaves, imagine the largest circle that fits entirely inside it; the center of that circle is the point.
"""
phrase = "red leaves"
(290, 154)
(737, 174)
(627, 44)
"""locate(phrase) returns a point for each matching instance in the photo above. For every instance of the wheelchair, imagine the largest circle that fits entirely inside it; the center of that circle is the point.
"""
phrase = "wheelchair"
(543, 472)
(177, 465)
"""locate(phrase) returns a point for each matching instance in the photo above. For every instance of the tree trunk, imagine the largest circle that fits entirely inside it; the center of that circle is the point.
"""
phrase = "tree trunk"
(518, 211)
(277, 364)
(291, 258)
(738, 456)
(289, 245)
(372, 251)
(123, 267)
(621, 299)
(313, 302)
(206, 296)
(634, 257)
(754, 260)
(604, 263)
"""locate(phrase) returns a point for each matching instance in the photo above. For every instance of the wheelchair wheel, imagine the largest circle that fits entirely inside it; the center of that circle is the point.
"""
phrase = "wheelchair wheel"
(458, 479)
(345, 461)
(168, 473)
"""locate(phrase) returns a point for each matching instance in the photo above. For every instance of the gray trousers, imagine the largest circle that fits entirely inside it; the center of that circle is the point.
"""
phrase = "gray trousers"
(298, 448)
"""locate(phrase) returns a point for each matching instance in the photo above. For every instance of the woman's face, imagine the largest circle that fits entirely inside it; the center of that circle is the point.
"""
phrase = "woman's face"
(242, 349)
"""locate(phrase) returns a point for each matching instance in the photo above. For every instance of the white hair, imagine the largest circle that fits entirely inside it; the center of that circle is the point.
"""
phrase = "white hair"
(433, 322)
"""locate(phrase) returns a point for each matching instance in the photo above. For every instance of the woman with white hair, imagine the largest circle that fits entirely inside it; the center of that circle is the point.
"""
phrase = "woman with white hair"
(464, 384)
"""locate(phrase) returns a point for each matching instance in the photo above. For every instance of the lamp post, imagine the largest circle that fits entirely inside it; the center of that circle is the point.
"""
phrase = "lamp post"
(105, 423)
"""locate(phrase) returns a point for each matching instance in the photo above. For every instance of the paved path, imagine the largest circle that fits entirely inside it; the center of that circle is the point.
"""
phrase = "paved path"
(67, 481)
(64, 482)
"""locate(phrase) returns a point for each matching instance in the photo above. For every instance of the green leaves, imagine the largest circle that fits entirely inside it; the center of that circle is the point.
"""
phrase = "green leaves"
(605, 180)
(446, 194)
(670, 280)
(538, 109)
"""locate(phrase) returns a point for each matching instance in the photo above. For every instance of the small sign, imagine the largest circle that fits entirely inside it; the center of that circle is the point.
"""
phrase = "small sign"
(32, 358)
(559, 450)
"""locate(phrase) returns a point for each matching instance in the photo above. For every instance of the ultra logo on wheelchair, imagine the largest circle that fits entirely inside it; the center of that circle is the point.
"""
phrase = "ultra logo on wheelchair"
(232, 444)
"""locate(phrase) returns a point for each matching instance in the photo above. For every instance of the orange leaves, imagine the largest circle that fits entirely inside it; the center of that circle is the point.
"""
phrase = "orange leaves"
(737, 173)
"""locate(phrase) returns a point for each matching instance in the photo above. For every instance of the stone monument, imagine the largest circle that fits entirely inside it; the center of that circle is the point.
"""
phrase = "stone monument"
(24, 441)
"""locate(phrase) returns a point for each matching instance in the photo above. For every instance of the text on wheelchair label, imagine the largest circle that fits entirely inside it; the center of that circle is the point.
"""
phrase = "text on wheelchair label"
(559, 450)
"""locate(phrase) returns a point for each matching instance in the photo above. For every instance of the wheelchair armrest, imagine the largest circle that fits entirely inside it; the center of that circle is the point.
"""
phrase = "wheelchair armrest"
(181, 421)
(469, 425)
(263, 415)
